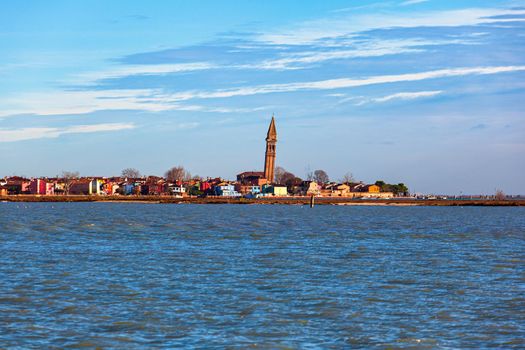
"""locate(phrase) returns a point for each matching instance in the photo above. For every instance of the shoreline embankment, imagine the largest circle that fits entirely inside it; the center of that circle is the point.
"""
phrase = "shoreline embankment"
(267, 200)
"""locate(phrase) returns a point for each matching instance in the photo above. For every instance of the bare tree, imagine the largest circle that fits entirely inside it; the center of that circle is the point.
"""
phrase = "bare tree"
(348, 178)
(310, 176)
(278, 174)
(499, 195)
(67, 179)
(283, 177)
(320, 176)
(288, 178)
(177, 173)
(131, 173)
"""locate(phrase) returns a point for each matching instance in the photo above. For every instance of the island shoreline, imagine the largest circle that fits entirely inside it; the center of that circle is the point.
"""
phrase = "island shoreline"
(264, 201)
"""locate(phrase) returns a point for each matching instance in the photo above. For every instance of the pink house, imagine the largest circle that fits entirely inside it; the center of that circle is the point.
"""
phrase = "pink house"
(39, 186)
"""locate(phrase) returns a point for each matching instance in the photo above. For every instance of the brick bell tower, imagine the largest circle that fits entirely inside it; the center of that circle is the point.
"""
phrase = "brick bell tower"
(269, 160)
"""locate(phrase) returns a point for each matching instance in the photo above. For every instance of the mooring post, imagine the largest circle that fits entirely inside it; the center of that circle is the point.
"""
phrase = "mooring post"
(312, 201)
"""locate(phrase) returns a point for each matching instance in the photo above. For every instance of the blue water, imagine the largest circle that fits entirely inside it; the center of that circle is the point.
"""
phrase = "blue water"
(127, 276)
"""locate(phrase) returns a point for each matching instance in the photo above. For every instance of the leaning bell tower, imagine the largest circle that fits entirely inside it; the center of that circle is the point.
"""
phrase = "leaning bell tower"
(269, 160)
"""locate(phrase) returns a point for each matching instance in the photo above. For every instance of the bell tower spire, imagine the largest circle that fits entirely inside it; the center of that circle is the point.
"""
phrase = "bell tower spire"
(269, 161)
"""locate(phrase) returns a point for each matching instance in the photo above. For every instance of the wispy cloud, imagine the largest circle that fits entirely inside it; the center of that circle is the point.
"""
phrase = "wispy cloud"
(145, 69)
(412, 2)
(345, 25)
(369, 48)
(13, 135)
(400, 96)
(333, 84)
(82, 102)
(77, 102)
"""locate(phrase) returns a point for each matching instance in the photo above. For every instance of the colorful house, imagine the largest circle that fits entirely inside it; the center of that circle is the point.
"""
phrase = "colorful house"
(252, 178)
(41, 187)
(311, 188)
(226, 190)
(276, 190)
(336, 190)
(177, 190)
(247, 189)
(87, 187)
(372, 189)
(17, 185)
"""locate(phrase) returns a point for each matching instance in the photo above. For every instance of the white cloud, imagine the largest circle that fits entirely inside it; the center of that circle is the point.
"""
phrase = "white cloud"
(77, 102)
(400, 96)
(12, 135)
(350, 24)
(332, 84)
(144, 69)
(369, 48)
(412, 2)
(81, 102)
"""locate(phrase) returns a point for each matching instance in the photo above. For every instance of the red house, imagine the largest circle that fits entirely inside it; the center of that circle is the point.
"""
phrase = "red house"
(42, 187)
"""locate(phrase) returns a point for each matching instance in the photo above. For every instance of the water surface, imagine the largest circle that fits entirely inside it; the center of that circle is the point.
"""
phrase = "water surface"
(125, 275)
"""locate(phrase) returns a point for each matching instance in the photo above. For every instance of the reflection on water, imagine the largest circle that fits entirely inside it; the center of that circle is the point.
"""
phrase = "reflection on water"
(90, 275)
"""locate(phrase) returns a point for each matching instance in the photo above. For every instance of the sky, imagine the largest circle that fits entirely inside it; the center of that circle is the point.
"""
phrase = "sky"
(425, 92)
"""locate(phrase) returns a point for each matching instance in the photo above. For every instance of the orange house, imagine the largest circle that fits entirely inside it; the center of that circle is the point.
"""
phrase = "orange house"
(372, 189)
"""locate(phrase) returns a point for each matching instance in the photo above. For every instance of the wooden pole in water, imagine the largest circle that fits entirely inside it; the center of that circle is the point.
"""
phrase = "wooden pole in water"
(312, 201)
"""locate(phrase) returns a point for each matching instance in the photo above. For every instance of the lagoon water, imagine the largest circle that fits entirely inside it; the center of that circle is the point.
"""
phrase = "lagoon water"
(129, 275)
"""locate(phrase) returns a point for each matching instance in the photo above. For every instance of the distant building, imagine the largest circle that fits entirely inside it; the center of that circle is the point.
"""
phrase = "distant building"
(252, 178)
(311, 188)
(17, 185)
(41, 187)
(226, 190)
(372, 189)
(276, 190)
(245, 189)
(87, 187)
(177, 190)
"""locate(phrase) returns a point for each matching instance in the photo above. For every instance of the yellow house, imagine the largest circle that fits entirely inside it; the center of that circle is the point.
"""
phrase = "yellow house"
(279, 191)
(372, 189)
(312, 188)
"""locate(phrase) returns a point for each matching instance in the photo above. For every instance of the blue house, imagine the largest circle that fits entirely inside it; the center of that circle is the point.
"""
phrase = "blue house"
(128, 189)
(226, 190)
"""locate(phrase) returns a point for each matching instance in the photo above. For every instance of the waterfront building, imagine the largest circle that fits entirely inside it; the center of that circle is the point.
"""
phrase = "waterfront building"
(276, 190)
(246, 189)
(177, 190)
(372, 189)
(226, 190)
(255, 178)
(153, 185)
(87, 187)
(41, 187)
(205, 186)
(311, 188)
(17, 185)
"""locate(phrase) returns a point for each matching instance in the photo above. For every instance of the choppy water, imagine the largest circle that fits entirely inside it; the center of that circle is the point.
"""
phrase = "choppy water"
(86, 275)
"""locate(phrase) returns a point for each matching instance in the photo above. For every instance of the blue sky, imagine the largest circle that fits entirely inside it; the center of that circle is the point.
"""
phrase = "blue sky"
(429, 93)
